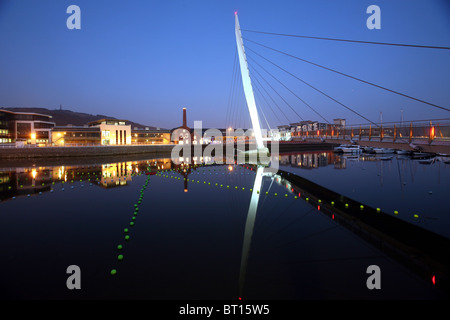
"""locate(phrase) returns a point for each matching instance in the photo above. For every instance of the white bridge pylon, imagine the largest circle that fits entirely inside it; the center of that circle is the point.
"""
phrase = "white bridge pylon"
(248, 89)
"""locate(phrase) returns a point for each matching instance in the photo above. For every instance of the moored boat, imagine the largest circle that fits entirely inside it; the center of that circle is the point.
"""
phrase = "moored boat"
(383, 150)
(422, 155)
(403, 152)
(352, 149)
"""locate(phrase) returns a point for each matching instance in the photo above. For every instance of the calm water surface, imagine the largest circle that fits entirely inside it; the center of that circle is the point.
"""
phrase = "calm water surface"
(200, 232)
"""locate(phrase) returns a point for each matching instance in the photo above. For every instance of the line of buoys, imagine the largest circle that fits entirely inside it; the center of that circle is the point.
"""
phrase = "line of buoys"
(132, 223)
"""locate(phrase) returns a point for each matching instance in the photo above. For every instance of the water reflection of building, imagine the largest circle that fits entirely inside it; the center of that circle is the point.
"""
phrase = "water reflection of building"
(33, 180)
(116, 174)
(76, 173)
(312, 160)
(24, 181)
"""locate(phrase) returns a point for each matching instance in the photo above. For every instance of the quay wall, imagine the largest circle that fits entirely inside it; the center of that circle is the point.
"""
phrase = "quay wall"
(106, 151)
(81, 152)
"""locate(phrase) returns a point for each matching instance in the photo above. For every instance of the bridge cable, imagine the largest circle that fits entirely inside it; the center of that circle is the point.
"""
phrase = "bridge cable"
(349, 76)
(291, 91)
(272, 98)
(311, 86)
(236, 92)
(264, 116)
(346, 40)
(277, 93)
(267, 103)
(228, 114)
(232, 93)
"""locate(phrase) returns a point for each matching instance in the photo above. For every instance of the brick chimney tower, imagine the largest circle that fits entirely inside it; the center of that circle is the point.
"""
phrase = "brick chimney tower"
(184, 118)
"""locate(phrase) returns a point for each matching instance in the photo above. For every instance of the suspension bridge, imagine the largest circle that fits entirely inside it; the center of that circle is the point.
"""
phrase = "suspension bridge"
(280, 108)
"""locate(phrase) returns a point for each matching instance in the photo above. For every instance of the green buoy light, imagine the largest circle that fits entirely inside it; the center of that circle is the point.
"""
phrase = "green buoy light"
(125, 230)
(120, 257)
(332, 203)
(361, 207)
(416, 216)
(113, 272)
(131, 223)
(346, 205)
(396, 212)
(119, 247)
(378, 210)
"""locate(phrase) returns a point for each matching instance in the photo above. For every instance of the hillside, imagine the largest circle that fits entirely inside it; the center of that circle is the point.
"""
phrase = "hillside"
(65, 117)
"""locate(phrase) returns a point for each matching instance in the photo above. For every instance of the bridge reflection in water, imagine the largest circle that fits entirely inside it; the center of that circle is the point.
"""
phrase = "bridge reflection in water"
(421, 251)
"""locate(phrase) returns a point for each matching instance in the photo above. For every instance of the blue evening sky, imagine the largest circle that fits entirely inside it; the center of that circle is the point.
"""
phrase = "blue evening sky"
(146, 60)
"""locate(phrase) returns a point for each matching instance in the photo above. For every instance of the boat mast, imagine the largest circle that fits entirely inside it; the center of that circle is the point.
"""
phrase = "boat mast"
(248, 90)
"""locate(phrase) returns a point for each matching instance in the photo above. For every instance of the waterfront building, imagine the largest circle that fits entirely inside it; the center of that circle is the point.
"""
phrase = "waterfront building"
(76, 136)
(181, 134)
(284, 132)
(150, 136)
(113, 131)
(25, 128)
(308, 128)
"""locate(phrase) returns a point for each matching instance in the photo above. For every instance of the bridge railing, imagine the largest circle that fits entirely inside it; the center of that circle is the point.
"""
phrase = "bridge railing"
(407, 131)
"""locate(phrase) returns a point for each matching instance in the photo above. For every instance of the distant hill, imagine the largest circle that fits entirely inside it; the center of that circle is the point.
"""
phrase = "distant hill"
(65, 117)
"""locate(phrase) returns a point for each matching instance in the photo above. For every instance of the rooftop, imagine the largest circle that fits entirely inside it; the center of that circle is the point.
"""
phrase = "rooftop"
(109, 121)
